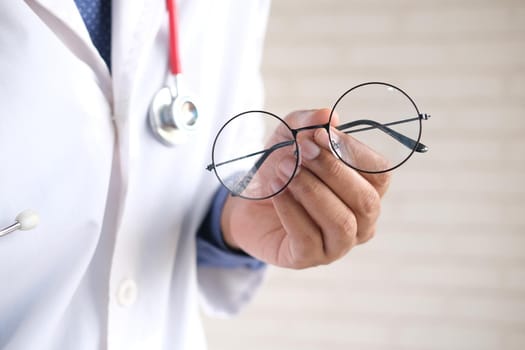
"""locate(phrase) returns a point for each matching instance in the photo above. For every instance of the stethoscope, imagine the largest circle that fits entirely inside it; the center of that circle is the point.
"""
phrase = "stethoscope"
(172, 114)
(26, 220)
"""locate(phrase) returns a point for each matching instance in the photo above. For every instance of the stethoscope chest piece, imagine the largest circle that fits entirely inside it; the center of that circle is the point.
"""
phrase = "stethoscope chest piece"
(172, 116)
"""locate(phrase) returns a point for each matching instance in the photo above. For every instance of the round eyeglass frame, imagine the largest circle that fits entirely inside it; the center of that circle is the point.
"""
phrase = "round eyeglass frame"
(413, 148)
(294, 143)
(327, 128)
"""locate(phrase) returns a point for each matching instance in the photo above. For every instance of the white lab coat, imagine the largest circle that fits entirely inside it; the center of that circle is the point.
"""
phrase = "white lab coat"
(112, 263)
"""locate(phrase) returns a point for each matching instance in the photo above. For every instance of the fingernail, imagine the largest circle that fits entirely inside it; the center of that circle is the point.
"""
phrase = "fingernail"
(340, 148)
(309, 150)
(334, 141)
(287, 167)
(321, 137)
(276, 186)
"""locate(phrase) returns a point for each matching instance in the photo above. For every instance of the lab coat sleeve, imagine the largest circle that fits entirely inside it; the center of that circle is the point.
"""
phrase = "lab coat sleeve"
(225, 290)
(227, 278)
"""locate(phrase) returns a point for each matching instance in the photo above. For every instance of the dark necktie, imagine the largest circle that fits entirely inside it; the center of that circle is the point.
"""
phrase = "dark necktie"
(97, 17)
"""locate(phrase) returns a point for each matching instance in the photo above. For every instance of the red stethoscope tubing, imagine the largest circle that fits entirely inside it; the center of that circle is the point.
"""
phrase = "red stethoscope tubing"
(175, 66)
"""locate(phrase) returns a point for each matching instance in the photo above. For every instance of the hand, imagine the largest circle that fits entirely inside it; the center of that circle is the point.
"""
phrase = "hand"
(326, 210)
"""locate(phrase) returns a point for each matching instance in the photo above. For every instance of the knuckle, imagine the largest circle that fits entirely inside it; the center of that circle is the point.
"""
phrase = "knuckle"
(305, 186)
(365, 237)
(345, 231)
(334, 166)
(300, 262)
(348, 226)
(305, 253)
(370, 204)
(383, 181)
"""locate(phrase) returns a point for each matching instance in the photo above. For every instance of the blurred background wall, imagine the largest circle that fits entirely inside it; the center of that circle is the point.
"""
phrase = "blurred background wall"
(446, 269)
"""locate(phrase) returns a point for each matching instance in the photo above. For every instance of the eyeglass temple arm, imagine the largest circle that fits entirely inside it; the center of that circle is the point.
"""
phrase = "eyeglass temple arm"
(245, 181)
(405, 140)
(265, 154)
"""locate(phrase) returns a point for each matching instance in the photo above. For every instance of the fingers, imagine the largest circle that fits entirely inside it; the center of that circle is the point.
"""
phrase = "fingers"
(328, 207)
(321, 228)
(303, 244)
(361, 156)
(355, 191)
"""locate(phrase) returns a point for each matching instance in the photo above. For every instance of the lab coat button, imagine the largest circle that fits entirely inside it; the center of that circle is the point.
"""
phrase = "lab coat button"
(127, 292)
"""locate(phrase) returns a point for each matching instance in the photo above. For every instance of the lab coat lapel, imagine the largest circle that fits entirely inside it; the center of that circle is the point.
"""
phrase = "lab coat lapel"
(134, 23)
(63, 18)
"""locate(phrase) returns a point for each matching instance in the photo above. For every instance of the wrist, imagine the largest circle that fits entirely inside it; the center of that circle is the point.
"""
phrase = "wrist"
(226, 215)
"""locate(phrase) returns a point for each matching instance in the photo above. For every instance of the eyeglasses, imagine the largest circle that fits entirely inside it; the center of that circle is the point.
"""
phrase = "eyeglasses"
(376, 116)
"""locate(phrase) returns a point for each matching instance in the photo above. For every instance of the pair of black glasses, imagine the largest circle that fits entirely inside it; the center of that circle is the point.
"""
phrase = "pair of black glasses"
(375, 116)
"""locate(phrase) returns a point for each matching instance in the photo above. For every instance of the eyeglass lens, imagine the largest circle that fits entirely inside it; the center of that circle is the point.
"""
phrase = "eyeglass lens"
(381, 117)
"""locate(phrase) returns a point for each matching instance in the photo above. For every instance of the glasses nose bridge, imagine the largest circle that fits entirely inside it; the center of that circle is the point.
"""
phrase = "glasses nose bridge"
(310, 127)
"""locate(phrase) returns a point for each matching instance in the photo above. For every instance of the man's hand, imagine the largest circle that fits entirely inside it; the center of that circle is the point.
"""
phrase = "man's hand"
(327, 208)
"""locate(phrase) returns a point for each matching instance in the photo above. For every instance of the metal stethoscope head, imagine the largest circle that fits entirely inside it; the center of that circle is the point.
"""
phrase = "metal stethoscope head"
(173, 115)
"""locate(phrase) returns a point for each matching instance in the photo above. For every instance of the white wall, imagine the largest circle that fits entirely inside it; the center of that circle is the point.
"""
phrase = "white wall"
(447, 267)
